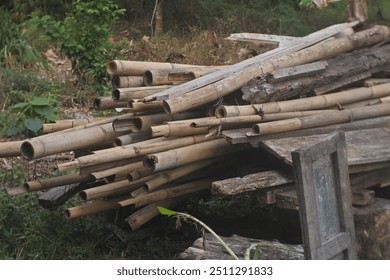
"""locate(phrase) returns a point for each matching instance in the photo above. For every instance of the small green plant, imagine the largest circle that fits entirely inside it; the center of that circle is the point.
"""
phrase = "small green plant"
(35, 112)
(169, 213)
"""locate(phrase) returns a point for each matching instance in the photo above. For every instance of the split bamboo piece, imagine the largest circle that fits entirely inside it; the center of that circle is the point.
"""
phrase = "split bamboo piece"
(138, 68)
(10, 149)
(133, 137)
(309, 103)
(57, 181)
(234, 82)
(298, 44)
(140, 107)
(175, 76)
(126, 94)
(144, 123)
(145, 214)
(67, 141)
(131, 151)
(322, 120)
(176, 157)
(119, 171)
(106, 103)
(127, 81)
(105, 205)
(140, 173)
(65, 124)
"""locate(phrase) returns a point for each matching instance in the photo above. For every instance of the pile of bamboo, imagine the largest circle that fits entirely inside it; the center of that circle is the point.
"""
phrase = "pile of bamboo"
(164, 146)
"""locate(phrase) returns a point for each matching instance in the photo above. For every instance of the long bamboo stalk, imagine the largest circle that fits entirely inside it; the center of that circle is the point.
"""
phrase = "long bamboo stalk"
(67, 141)
(309, 103)
(140, 107)
(127, 81)
(126, 94)
(298, 44)
(138, 68)
(188, 154)
(234, 82)
(206, 122)
(92, 208)
(177, 129)
(65, 124)
(322, 120)
(106, 103)
(57, 181)
(133, 137)
(175, 76)
(10, 149)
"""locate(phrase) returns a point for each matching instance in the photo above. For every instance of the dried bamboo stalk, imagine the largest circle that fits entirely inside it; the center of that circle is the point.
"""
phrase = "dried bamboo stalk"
(188, 154)
(10, 149)
(151, 107)
(57, 181)
(309, 103)
(322, 120)
(175, 76)
(299, 44)
(133, 137)
(126, 94)
(55, 143)
(138, 68)
(144, 123)
(147, 213)
(322, 50)
(119, 171)
(106, 103)
(176, 129)
(92, 208)
(65, 124)
(127, 81)
(140, 173)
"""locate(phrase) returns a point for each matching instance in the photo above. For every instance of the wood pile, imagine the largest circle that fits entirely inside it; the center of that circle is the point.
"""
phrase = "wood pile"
(181, 124)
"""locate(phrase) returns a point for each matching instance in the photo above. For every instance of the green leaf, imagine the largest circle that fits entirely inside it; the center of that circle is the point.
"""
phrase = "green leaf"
(40, 101)
(46, 112)
(33, 124)
(166, 212)
(20, 105)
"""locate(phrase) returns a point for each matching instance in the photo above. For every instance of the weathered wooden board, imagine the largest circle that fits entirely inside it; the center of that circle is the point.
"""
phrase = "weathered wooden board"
(324, 196)
(256, 181)
(369, 146)
(209, 248)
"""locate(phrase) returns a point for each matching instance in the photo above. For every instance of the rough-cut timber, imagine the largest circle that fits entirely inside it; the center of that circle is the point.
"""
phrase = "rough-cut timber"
(208, 248)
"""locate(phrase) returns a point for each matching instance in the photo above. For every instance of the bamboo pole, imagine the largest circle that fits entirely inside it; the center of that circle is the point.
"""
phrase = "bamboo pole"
(207, 122)
(174, 77)
(147, 213)
(298, 44)
(133, 137)
(168, 176)
(62, 180)
(127, 81)
(67, 141)
(188, 154)
(106, 103)
(138, 68)
(118, 171)
(92, 208)
(59, 125)
(322, 120)
(144, 123)
(126, 94)
(234, 82)
(177, 129)
(112, 189)
(10, 149)
(309, 103)
(163, 194)
(140, 107)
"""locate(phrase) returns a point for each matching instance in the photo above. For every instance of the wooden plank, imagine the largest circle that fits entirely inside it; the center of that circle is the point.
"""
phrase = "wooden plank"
(252, 182)
(324, 199)
(257, 38)
(365, 180)
(297, 71)
(363, 197)
(368, 146)
(342, 82)
(287, 199)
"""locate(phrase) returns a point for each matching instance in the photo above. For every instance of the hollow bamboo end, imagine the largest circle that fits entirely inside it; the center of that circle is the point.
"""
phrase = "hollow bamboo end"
(115, 82)
(220, 112)
(97, 104)
(256, 129)
(138, 124)
(118, 142)
(83, 196)
(112, 67)
(68, 214)
(167, 107)
(30, 151)
(150, 162)
(32, 186)
(148, 78)
(116, 94)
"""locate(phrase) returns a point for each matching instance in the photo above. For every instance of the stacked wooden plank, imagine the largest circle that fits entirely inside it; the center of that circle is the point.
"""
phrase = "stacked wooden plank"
(168, 142)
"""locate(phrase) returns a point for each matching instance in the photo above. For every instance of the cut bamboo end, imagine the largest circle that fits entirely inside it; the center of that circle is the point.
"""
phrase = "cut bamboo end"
(148, 78)
(127, 81)
(30, 151)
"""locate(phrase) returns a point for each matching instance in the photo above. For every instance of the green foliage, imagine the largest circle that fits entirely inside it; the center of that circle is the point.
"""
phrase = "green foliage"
(84, 37)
